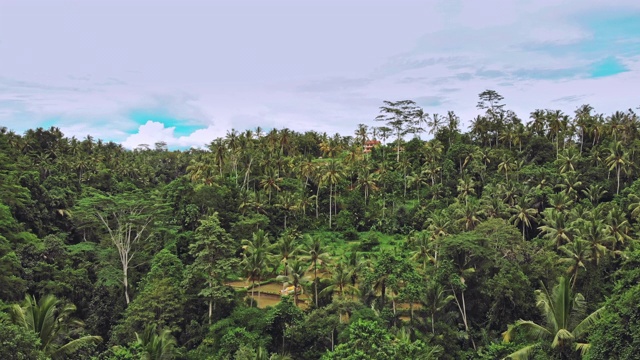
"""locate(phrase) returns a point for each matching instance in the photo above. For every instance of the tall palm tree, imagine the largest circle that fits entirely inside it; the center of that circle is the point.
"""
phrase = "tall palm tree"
(368, 182)
(253, 266)
(50, 319)
(576, 256)
(506, 165)
(435, 300)
(466, 187)
(332, 175)
(617, 160)
(523, 214)
(316, 254)
(340, 282)
(421, 253)
(294, 277)
(285, 249)
(156, 346)
(564, 322)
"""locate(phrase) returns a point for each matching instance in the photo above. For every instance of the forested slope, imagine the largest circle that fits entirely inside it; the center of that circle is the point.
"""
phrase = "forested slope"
(516, 237)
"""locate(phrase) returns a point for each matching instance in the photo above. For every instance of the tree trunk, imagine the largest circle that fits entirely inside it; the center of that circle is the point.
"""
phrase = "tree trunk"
(125, 281)
(618, 175)
(210, 305)
(315, 280)
(330, 205)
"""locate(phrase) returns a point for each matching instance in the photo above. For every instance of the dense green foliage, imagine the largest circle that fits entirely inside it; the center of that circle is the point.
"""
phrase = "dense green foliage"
(511, 239)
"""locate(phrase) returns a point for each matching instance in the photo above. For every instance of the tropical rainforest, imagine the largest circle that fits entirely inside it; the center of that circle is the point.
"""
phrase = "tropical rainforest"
(515, 239)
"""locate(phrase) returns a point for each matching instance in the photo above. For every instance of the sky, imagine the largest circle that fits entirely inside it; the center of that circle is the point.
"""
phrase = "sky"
(186, 72)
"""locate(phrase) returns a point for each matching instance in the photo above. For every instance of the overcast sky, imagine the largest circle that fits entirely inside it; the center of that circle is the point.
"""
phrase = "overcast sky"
(187, 71)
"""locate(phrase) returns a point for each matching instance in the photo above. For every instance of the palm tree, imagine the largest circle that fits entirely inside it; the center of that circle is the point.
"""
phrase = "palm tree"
(156, 346)
(50, 319)
(285, 249)
(466, 187)
(577, 255)
(294, 277)
(367, 181)
(315, 253)
(253, 265)
(555, 227)
(568, 160)
(270, 182)
(595, 234)
(523, 214)
(618, 227)
(560, 201)
(617, 160)
(435, 300)
(332, 176)
(564, 321)
(594, 193)
(258, 245)
(506, 165)
(340, 282)
(422, 250)
(469, 215)
(571, 183)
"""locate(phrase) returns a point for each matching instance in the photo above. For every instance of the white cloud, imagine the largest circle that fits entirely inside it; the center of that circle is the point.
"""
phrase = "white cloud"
(154, 131)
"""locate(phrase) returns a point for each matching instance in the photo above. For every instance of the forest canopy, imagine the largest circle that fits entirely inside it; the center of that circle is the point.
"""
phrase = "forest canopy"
(408, 239)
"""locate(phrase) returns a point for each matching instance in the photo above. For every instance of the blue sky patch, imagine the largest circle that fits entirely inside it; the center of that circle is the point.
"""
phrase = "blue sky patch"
(607, 67)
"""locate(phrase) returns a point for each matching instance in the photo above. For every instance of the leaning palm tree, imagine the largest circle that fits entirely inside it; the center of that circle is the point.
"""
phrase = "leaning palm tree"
(564, 322)
(156, 346)
(51, 320)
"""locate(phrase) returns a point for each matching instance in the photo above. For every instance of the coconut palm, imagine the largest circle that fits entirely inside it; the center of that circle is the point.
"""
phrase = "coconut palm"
(286, 248)
(564, 322)
(333, 173)
(341, 282)
(617, 160)
(595, 234)
(294, 277)
(156, 346)
(259, 244)
(618, 227)
(576, 256)
(253, 265)
(555, 227)
(367, 181)
(594, 193)
(523, 215)
(316, 254)
(421, 253)
(507, 164)
(435, 300)
(466, 187)
(50, 319)
(560, 201)
(567, 161)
